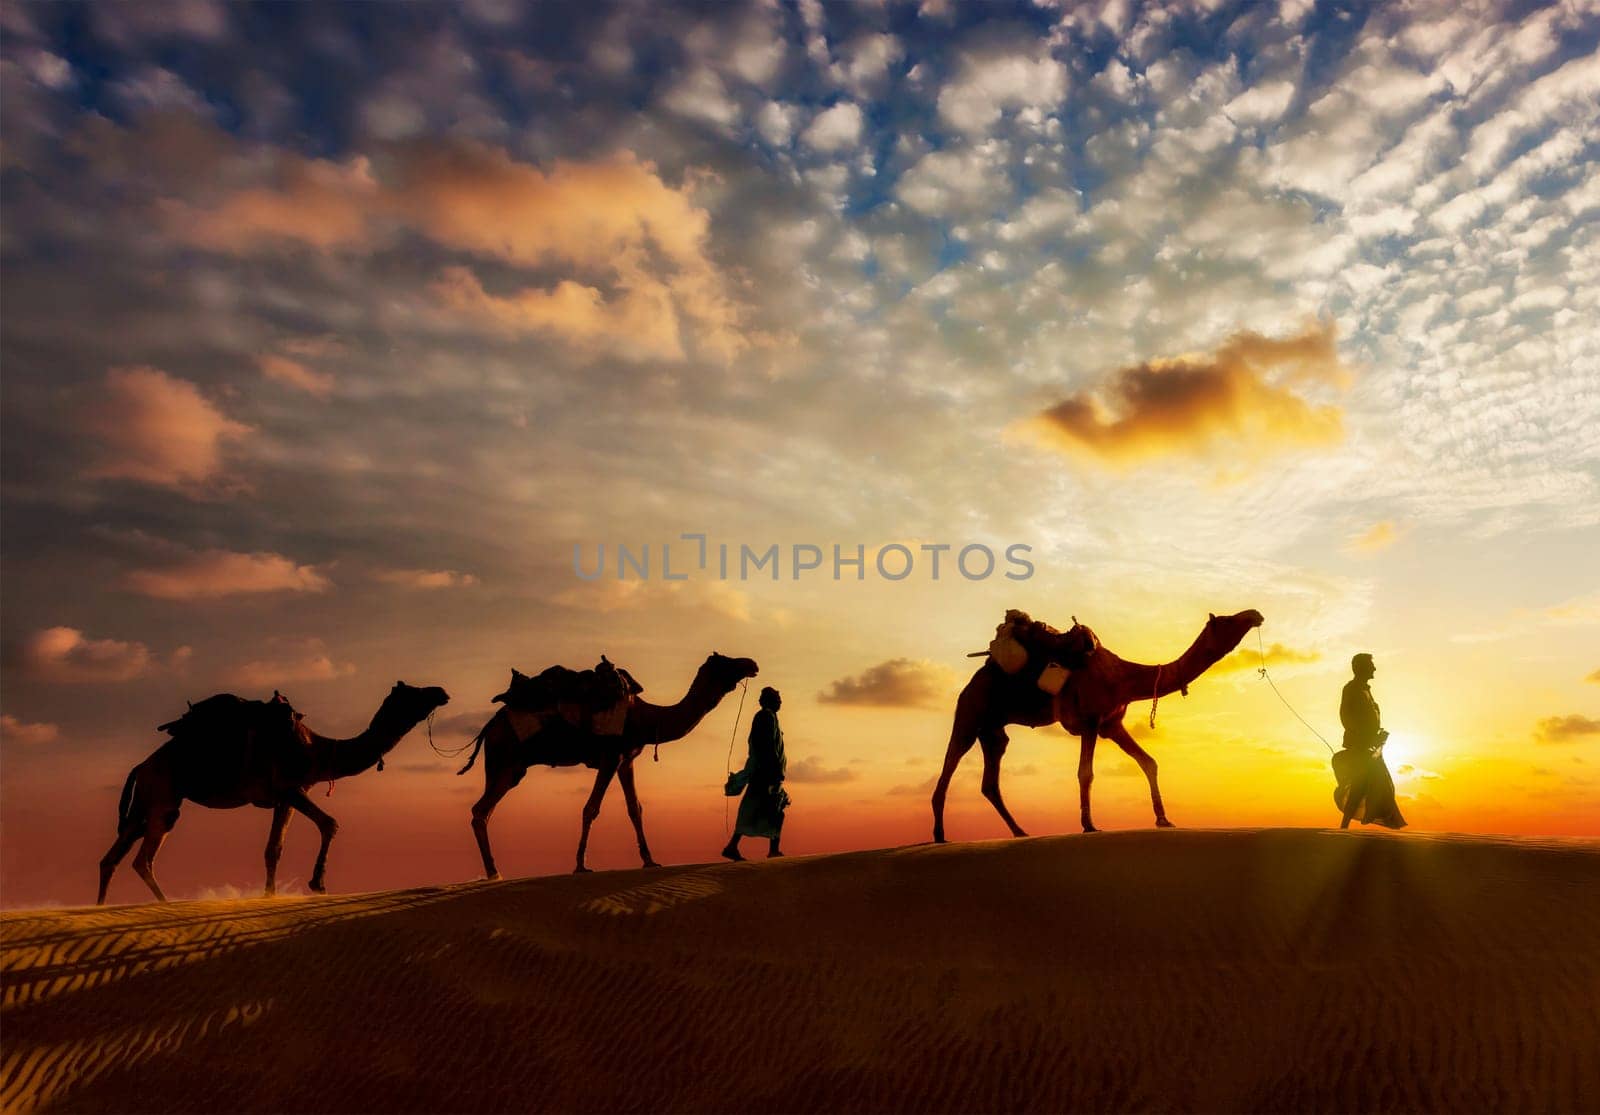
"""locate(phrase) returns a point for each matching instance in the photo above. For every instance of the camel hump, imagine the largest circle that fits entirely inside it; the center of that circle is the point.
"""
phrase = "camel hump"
(226, 712)
(591, 700)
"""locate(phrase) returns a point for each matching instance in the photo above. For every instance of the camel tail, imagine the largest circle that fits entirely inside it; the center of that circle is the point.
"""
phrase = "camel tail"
(125, 806)
(477, 746)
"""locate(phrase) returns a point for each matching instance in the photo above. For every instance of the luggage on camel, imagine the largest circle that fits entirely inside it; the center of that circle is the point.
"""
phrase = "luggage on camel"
(226, 713)
(594, 701)
(1030, 648)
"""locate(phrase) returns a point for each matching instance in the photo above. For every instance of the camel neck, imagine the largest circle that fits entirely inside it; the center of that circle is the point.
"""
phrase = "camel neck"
(665, 723)
(341, 758)
(1142, 681)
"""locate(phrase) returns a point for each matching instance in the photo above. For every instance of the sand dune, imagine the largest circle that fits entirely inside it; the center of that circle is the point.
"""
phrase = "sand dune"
(1274, 970)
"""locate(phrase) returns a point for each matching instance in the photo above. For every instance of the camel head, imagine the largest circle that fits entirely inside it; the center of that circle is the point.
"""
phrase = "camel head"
(413, 704)
(1231, 630)
(727, 672)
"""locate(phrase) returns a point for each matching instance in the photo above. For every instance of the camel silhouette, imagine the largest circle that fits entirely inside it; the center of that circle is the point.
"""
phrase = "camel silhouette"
(507, 754)
(1091, 705)
(232, 761)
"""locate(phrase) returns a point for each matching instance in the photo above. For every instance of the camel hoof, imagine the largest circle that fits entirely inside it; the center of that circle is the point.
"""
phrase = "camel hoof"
(580, 870)
(1090, 828)
(317, 886)
(492, 877)
(1163, 823)
(938, 838)
(651, 863)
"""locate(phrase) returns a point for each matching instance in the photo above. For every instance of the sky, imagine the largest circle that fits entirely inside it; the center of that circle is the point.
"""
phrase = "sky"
(337, 341)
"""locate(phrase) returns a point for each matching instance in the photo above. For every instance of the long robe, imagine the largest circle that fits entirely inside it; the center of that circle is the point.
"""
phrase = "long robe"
(761, 808)
(1359, 766)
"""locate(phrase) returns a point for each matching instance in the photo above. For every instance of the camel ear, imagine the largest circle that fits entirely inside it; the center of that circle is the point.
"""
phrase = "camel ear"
(1213, 616)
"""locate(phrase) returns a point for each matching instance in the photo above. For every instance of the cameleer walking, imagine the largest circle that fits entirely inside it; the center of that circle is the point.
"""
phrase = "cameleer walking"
(1365, 791)
(761, 808)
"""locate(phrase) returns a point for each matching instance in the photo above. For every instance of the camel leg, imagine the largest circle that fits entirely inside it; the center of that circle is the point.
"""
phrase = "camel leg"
(126, 839)
(1123, 738)
(961, 740)
(325, 825)
(635, 810)
(994, 749)
(496, 786)
(157, 825)
(1086, 777)
(591, 808)
(275, 835)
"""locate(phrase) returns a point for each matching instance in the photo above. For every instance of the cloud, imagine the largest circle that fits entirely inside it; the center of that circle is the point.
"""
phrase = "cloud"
(897, 683)
(1560, 729)
(639, 323)
(293, 660)
(614, 595)
(835, 129)
(997, 76)
(612, 222)
(24, 734)
(811, 769)
(1249, 658)
(216, 573)
(425, 578)
(153, 428)
(1240, 398)
(65, 654)
(1594, 677)
(293, 373)
(1379, 536)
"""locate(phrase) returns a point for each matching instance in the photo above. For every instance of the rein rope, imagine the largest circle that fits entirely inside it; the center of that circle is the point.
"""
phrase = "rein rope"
(744, 688)
(1267, 678)
(445, 752)
(1155, 698)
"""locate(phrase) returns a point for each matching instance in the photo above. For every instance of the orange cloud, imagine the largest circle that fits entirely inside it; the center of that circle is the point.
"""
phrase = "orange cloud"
(292, 373)
(425, 578)
(1249, 658)
(1380, 536)
(217, 573)
(65, 654)
(295, 660)
(612, 222)
(23, 734)
(641, 323)
(1240, 398)
(1560, 729)
(157, 429)
(1594, 677)
(897, 683)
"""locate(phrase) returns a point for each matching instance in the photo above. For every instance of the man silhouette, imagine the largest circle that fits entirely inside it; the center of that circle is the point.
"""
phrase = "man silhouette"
(1364, 782)
(761, 808)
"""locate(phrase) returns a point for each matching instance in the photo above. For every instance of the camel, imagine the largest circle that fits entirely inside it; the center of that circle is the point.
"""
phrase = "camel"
(506, 757)
(243, 768)
(1091, 705)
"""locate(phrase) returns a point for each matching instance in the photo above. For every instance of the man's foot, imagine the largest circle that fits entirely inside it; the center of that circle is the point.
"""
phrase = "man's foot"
(732, 852)
(774, 854)
(1163, 823)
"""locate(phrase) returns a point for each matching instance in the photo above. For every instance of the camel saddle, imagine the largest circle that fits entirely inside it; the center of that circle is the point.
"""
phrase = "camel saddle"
(1034, 650)
(593, 701)
(226, 713)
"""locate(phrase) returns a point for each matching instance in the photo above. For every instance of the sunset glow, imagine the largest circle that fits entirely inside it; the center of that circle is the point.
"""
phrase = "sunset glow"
(328, 333)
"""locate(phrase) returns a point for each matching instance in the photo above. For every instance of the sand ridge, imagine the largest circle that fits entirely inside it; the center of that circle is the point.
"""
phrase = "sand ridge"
(1186, 970)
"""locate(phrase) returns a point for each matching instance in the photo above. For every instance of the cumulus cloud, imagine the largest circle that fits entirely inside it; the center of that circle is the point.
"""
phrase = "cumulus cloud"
(1249, 658)
(612, 219)
(425, 578)
(1594, 677)
(216, 573)
(291, 660)
(293, 373)
(835, 129)
(1562, 729)
(1001, 75)
(65, 654)
(25, 734)
(1240, 398)
(813, 769)
(897, 683)
(147, 426)
(1379, 536)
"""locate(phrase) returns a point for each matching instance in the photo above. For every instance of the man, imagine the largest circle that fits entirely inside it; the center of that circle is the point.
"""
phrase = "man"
(1364, 782)
(761, 808)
